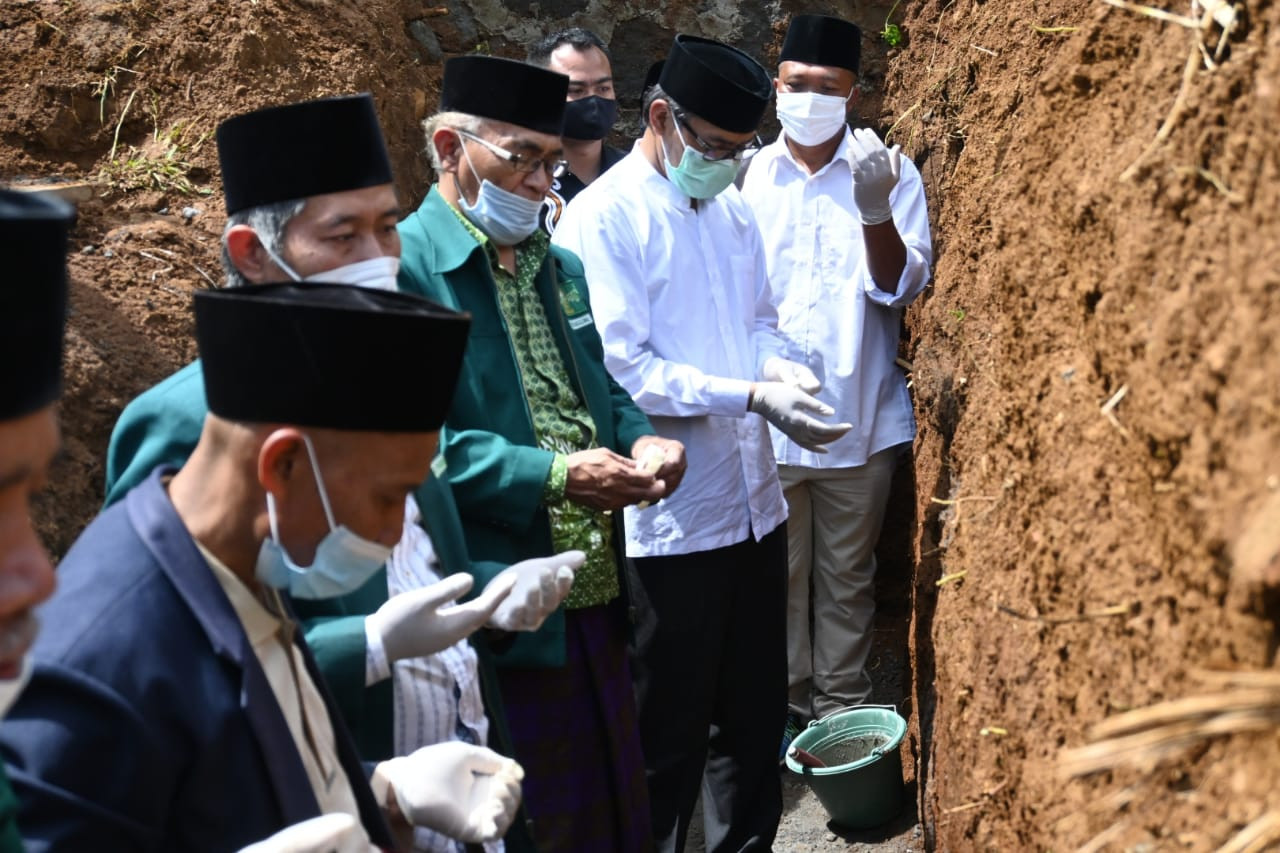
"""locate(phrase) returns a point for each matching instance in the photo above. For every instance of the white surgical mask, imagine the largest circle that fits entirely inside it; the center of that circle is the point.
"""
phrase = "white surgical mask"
(11, 688)
(372, 273)
(810, 118)
(343, 563)
(506, 218)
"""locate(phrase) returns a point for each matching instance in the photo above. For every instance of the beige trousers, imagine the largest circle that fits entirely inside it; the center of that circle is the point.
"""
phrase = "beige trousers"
(834, 522)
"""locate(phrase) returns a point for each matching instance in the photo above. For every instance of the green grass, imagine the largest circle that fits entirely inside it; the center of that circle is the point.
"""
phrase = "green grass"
(163, 164)
(892, 33)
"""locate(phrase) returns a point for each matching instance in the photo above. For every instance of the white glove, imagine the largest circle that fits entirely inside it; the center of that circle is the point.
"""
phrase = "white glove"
(777, 369)
(541, 584)
(788, 408)
(466, 792)
(875, 173)
(414, 624)
(331, 833)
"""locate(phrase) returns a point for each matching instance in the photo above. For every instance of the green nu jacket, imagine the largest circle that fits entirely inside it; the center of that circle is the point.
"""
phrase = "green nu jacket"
(493, 464)
(335, 632)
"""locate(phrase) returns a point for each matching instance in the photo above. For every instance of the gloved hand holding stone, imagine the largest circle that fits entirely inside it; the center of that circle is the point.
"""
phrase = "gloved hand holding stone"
(876, 170)
(414, 624)
(792, 411)
(777, 369)
(331, 833)
(467, 792)
(541, 584)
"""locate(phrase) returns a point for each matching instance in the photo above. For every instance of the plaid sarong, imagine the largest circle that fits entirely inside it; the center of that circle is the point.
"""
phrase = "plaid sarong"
(575, 732)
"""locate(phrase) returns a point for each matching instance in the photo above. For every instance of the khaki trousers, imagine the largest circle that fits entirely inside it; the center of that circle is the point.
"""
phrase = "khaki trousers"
(834, 522)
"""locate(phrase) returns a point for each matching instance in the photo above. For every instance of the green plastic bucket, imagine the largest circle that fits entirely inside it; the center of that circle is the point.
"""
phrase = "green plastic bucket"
(862, 785)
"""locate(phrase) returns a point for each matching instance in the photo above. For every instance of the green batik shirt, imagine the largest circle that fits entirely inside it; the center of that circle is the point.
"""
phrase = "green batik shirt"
(561, 421)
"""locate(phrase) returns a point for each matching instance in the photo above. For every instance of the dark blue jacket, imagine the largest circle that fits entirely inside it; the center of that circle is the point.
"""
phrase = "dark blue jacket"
(148, 723)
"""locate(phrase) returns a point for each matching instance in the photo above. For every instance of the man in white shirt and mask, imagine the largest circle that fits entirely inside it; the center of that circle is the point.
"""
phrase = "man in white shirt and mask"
(683, 305)
(846, 237)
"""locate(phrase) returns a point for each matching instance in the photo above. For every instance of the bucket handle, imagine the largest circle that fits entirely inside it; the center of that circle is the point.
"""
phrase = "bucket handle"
(893, 708)
(878, 751)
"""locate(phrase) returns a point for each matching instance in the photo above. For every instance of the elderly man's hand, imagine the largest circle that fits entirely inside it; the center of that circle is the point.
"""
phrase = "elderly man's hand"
(662, 457)
(466, 792)
(540, 586)
(420, 622)
(604, 480)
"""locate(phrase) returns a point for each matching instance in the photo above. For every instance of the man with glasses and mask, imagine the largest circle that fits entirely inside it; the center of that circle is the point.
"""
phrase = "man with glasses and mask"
(541, 446)
(846, 235)
(683, 305)
(588, 117)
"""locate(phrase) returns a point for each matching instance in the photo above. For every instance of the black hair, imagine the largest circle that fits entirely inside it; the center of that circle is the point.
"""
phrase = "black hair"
(580, 39)
(655, 93)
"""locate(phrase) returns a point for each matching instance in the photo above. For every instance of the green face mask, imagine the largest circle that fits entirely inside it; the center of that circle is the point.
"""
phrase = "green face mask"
(695, 175)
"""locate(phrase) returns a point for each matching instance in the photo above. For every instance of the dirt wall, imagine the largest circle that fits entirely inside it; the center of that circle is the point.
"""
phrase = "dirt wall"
(125, 97)
(1074, 565)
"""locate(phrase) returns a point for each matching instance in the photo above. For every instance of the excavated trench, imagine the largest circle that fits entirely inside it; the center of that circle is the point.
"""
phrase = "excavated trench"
(1091, 520)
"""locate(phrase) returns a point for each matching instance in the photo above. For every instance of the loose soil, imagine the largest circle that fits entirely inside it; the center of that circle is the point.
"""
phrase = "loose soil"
(126, 95)
(1055, 565)
(851, 750)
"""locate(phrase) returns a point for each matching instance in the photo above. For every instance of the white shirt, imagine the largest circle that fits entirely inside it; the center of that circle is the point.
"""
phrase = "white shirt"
(433, 695)
(300, 702)
(683, 306)
(831, 315)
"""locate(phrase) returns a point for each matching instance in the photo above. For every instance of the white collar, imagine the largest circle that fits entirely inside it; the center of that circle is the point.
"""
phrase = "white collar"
(260, 624)
(656, 182)
(842, 152)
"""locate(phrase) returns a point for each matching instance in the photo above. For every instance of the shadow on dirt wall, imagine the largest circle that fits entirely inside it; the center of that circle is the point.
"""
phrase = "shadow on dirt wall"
(944, 405)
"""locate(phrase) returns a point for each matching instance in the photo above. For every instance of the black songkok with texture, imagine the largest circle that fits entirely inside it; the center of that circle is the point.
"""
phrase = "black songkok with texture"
(716, 82)
(299, 150)
(33, 299)
(505, 90)
(822, 40)
(331, 356)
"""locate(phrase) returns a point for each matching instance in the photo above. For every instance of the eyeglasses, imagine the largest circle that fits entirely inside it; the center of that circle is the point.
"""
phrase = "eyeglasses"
(519, 162)
(713, 152)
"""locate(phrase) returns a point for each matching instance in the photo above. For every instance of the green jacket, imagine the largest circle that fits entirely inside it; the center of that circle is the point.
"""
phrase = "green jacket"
(336, 635)
(162, 427)
(494, 466)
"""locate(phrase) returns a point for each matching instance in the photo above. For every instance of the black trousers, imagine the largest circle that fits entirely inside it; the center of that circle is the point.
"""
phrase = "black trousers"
(711, 689)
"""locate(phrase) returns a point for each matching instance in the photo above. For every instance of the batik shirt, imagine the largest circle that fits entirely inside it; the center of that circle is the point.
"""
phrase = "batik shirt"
(561, 422)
